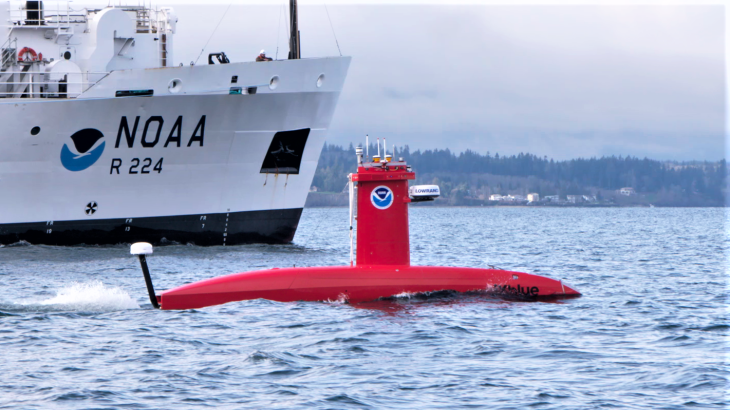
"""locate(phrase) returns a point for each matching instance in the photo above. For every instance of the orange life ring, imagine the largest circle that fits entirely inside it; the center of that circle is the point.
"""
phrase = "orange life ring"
(33, 55)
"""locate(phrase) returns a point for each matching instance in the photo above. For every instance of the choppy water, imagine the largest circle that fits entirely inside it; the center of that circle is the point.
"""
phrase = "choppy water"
(650, 332)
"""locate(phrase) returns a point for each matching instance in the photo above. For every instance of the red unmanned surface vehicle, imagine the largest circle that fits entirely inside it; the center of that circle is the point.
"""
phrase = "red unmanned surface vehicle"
(383, 266)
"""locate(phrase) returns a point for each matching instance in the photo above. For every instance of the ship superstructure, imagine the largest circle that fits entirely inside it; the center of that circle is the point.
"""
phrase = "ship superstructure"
(106, 139)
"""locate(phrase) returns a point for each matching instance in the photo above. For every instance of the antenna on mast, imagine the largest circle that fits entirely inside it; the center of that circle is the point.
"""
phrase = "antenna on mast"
(367, 146)
(376, 158)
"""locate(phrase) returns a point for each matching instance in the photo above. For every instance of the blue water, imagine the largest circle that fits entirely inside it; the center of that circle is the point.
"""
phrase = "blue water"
(650, 332)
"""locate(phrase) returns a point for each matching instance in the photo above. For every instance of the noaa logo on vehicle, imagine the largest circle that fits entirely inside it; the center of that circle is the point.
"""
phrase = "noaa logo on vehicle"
(382, 197)
(86, 149)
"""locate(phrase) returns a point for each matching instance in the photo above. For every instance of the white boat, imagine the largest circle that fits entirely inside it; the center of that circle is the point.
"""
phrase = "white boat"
(105, 139)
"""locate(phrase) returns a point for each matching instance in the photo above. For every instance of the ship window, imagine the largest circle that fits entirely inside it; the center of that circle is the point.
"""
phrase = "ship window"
(67, 55)
(234, 79)
(284, 155)
(35, 130)
(135, 93)
(251, 90)
(235, 90)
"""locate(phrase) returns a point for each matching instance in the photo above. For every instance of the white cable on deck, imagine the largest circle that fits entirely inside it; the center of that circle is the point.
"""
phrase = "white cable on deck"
(352, 196)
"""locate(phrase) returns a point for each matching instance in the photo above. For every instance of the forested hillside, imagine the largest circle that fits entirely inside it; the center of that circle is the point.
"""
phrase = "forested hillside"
(469, 178)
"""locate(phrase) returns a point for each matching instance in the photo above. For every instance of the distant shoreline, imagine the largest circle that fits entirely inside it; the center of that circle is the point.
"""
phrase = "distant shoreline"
(471, 179)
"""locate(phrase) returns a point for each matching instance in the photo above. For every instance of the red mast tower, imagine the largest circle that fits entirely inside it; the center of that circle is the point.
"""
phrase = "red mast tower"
(382, 213)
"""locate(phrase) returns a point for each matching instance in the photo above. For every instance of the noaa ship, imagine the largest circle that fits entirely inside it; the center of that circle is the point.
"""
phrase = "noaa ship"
(106, 140)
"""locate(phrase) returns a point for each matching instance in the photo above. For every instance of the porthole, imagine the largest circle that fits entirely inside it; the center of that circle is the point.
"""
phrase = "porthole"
(35, 130)
(175, 86)
(274, 82)
(320, 80)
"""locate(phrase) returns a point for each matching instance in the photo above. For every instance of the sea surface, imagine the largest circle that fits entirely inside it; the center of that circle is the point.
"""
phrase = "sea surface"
(651, 330)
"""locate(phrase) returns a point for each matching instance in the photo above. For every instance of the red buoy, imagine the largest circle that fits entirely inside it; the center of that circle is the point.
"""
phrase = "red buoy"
(383, 266)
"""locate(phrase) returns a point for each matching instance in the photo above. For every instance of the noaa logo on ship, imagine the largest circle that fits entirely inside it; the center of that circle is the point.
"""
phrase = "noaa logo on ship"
(86, 149)
(381, 197)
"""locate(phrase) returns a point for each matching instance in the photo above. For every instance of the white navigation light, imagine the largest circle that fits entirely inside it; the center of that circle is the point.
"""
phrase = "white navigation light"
(141, 248)
(424, 192)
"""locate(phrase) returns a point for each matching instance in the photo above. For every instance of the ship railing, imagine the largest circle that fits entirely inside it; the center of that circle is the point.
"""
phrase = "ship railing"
(22, 17)
(44, 17)
(49, 88)
(147, 24)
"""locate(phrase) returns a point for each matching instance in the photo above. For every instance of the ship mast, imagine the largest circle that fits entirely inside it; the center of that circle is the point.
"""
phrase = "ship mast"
(294, 50)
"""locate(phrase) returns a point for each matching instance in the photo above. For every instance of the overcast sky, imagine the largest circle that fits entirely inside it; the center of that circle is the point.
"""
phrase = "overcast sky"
(561, 81)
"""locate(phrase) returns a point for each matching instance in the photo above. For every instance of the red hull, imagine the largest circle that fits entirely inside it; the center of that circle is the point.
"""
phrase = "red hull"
(356, 284)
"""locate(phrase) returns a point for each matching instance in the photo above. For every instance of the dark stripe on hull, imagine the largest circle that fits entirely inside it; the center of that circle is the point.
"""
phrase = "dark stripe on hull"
(272, 226)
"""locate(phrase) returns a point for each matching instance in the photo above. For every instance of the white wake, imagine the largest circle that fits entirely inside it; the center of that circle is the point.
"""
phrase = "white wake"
(88, 296)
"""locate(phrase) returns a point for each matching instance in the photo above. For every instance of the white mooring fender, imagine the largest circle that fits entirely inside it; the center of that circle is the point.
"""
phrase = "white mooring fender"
(141, 248)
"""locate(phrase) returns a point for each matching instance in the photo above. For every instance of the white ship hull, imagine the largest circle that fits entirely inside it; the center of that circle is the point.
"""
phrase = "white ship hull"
(212, 189)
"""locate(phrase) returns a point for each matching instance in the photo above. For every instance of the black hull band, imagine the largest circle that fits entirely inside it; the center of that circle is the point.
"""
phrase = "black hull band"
(233, 228)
